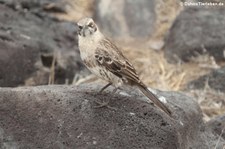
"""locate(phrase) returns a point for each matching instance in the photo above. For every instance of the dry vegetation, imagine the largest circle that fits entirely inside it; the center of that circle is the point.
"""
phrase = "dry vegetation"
(154, 70)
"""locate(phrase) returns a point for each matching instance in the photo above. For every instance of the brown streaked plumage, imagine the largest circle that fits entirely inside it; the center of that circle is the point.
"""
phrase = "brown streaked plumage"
(105, 59)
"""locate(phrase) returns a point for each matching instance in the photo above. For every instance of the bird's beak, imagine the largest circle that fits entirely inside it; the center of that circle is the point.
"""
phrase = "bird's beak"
(81, 31)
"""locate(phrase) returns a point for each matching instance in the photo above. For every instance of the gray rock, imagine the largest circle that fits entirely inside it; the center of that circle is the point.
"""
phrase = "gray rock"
(126, 18)
(29, 37)
(40, 8)
(65, 117)
(215, 80)
(196, 31)
(218, 125)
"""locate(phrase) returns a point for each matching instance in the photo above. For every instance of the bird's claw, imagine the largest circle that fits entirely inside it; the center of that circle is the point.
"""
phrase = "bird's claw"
(104, 104)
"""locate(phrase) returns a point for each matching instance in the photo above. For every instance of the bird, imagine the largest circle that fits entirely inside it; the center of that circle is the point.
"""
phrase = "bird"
(104, 59)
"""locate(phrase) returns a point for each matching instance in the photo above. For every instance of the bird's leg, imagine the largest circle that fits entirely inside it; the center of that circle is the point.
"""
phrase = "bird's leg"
(105, 103)
(107, 85)
(114, 90)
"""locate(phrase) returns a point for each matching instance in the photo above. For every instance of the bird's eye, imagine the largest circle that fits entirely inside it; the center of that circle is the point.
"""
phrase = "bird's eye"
(80, 27)
(91, 24)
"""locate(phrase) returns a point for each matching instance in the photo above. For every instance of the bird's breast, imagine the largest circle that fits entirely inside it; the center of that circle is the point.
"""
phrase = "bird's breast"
(86, 47)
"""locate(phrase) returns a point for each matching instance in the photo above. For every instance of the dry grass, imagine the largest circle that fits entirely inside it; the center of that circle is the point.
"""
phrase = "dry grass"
(156, 72)
(212, 102)
(77, 9)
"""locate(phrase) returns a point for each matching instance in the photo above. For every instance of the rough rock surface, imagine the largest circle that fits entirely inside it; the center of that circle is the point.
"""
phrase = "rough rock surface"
(65, 117)
(218, 125)
(215, 80)
(126, 18)
(197, 31)
(28, 40)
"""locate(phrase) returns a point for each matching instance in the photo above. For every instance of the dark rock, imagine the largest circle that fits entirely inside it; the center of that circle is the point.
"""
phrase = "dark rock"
(65, 117)
(26, 39)
(43, 7)
(218, 125)
(127, 18)
(196, 31)
(215, 80)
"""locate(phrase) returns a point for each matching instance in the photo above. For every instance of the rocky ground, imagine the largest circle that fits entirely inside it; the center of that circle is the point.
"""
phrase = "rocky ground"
(66, 117)
(175, 49)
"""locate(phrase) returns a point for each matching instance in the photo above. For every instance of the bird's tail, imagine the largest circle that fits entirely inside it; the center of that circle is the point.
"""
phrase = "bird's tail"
(154, 99)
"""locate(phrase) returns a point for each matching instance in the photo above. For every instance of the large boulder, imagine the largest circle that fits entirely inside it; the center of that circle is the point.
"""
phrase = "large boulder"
(66, 117)
(196, 31)
(29, 41)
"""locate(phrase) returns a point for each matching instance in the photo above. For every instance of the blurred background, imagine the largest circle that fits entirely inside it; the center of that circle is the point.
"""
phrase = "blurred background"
(175, 45)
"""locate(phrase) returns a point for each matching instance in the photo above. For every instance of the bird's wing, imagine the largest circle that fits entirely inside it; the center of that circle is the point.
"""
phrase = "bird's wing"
(114, 61)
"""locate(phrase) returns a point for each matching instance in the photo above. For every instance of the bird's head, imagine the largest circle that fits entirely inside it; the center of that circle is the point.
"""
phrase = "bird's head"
(86, 27)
